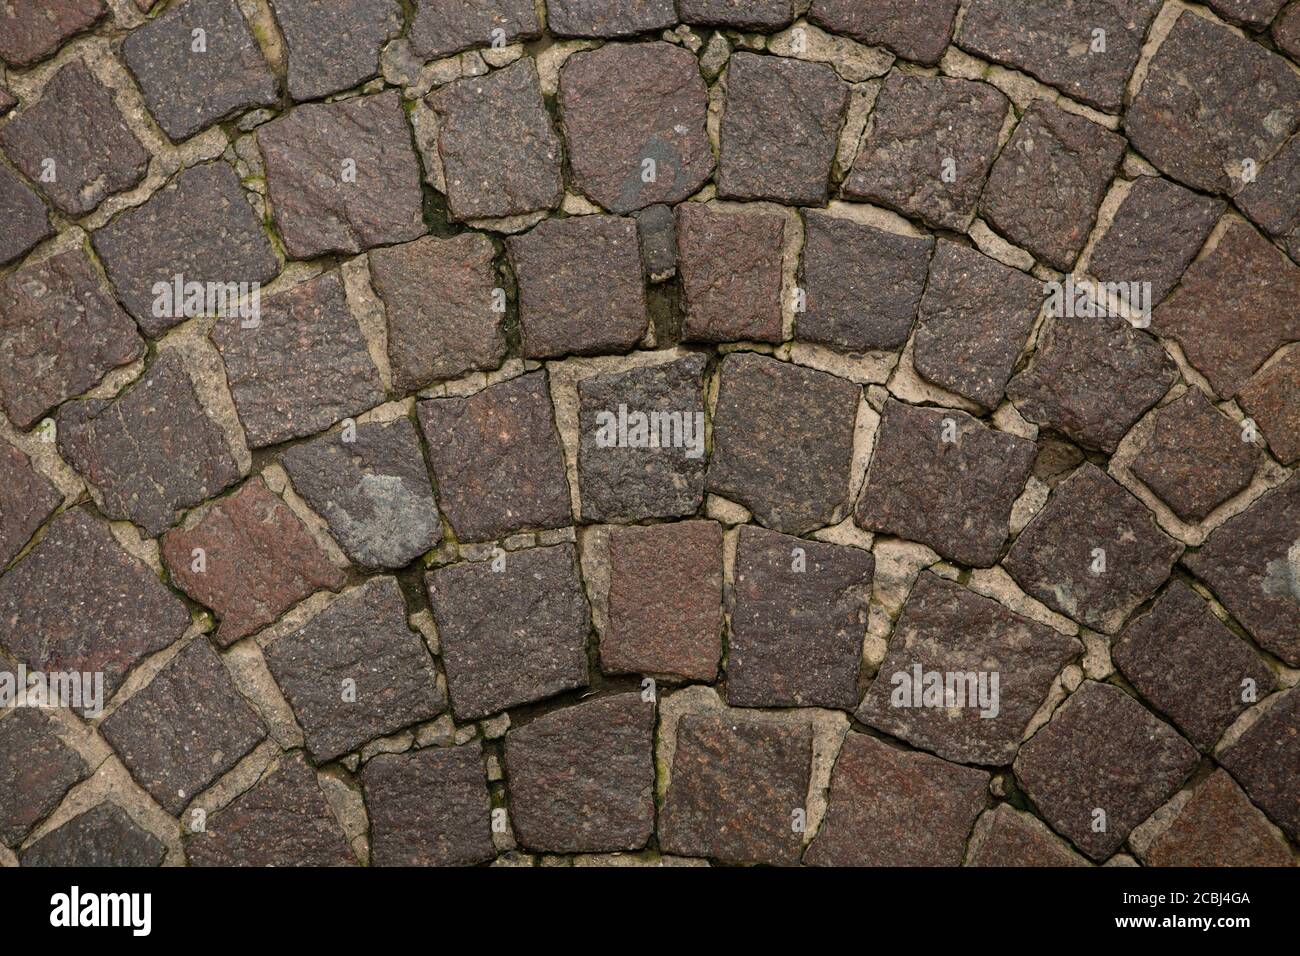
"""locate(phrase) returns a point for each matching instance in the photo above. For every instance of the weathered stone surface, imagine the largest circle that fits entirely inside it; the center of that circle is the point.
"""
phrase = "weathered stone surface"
(27, 498)
(497, 459)
(1218, 826)
(513, 636)
(943, 478)
(580, 286)
(429, 807)
(862, 285)
(283, 820)
(754, 15)
(1056, 557)
(946, 629)
(60, 333)
(76, 126)
(36, 770)
(257, 561)
(1272, 399)
(373, 492)
(7, 100)
(622, 105)
(199, 227)
(736, 782)
(27, 221)
(438, 300)
(500, 153)
(891, 807)
(185, 729)
(107, 616)
(152, 451)
(1104, 751)
(798, 614)
(302, 368)
(641, 450)
(914, 29)
(104, 836)
(343, 176)
(582, 778)
(783, 441)
(1092, 379)
(1059, 43)
(658, 239)
(31, 31)
(187, 87)
(608, 18)
(665, 600)
(1234, 308)
(1272, 201)
(1256, 14)
(1286, 31)
(1264, 761)
(360, 643)
(730, 264)
(1049, 181)
(1195, 459)
(440, 28)
(1156, 233)
(1007, 837)
(926, 131)
(334, 46)
(1183, 660)
(779, 129)
(974, 320)
(1252, 562)
(1210, 100)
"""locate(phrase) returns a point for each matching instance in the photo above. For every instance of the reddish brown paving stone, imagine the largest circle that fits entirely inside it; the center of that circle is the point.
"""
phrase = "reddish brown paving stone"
(973, 323)
(513, 636)
(27, 498)
(953, 495)
(152, 451)
(359, 644)
(1048, 183)
(103, 836)
(343, 176)
(77, 127)
(429, 807)
(1286, 31)
(946, 629)
(891, 807)
(798, 615)
(665, 600)
(334, 46)
(1054, 557)
(1250, 563)
(60, 333)
(497, 459)
(862, 285)
(31, 30)
(608, 18)
(187, 89)
(1272, 201)
(914, 29)
(926, 131)
(440, 28)
(500, 152)
(736, 785)
(580, 286)
(779, 129)
(1256, 14)
(1211, 99)
(303, 367)
(730, 264)
(1189, 666)
(1264, 758)
(749, 15)
(258, 560)
(625, 104)
(1272, 399)
(282, 820)
(1102, 750)
(581, 778)
(107, 617)
(27, 221)
(36, 769)
(185, 729)
(1006, 837)
(783, 441)
(1218, 826)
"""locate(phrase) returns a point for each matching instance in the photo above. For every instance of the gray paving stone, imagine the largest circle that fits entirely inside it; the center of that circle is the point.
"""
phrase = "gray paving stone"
(334, 46)
(36, 769)
(749, 15)
(101, 837)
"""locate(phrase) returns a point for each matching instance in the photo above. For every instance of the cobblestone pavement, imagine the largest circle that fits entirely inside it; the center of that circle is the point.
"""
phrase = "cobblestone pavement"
(650, 432)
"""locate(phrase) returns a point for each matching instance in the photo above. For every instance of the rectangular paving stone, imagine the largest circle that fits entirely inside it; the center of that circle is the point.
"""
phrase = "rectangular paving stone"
(303, 367)
(608, 18)
(497, 459)
(798, 616)
(27, 498)
(100, 837)
(916, 30)
(750, 15)
(783, 441)
(581, 779)
(1006, 837)
(730, 264)
(191, 81)
(334, 46)
(31, 31)
(1272, 399)
(355, 671)
(185, 729)
(429, 807)
(641, 453)
(256, 560)
(27, 218)
(665, 600)
(1263, 761)
(440, 28)
(1217, 826)
(513, 636)
(36, 769)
